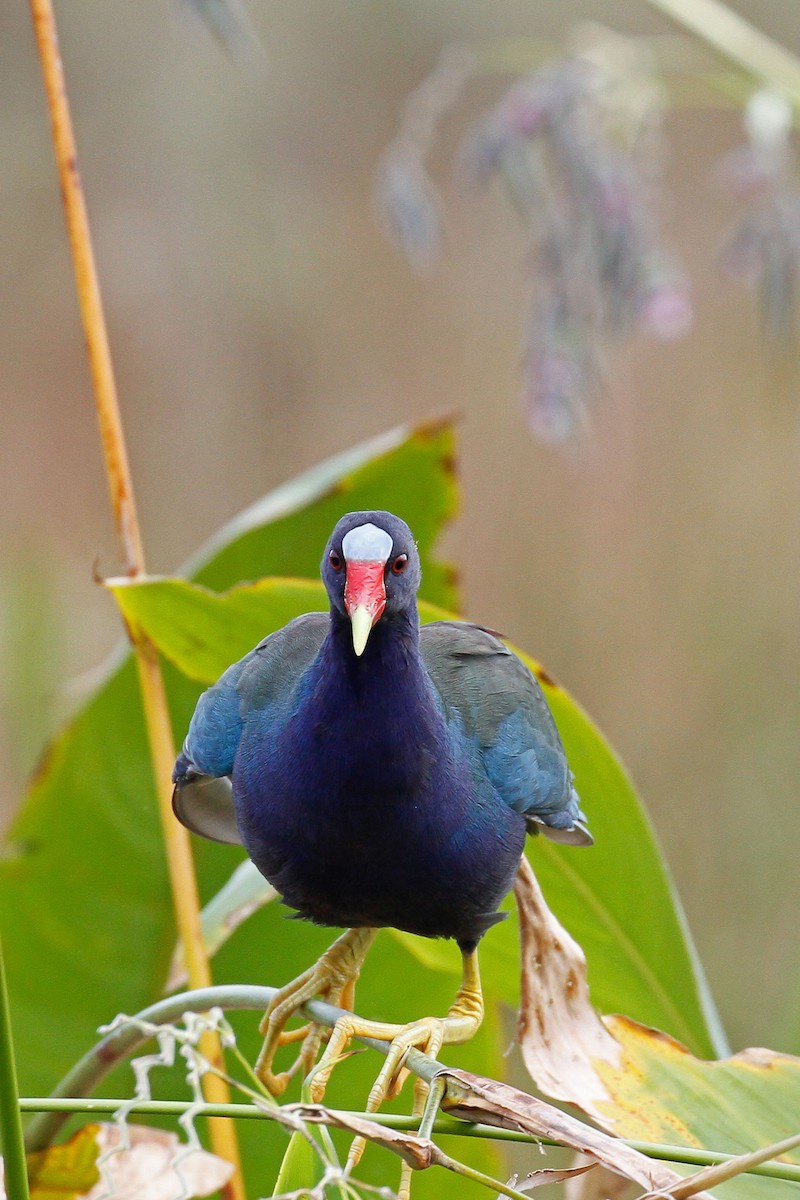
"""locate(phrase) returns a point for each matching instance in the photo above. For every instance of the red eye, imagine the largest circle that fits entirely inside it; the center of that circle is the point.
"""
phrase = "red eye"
(399, 564)
(335, 560)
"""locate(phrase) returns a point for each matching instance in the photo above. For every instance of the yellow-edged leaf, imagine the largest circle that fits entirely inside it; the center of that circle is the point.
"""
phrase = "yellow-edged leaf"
(637, 1082)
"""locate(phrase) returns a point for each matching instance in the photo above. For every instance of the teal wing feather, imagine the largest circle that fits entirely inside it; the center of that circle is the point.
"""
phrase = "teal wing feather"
(264, 679)
(496, 707)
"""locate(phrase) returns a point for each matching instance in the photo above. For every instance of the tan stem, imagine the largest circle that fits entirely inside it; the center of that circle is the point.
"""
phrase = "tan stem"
(88, 288)
(176, 838)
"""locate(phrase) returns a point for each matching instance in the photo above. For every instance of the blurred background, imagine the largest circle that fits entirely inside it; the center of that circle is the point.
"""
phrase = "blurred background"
(261, 320)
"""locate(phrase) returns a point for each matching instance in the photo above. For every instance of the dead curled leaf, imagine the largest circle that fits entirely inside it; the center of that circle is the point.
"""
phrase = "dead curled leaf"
(156, 1166)
(560, 1034)
(419, 1153)
(490, 1102)
(151, 1165)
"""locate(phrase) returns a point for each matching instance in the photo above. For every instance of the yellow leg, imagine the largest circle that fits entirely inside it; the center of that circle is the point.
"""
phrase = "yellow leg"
(333, 978)
(420, 1094)
(428, 1035)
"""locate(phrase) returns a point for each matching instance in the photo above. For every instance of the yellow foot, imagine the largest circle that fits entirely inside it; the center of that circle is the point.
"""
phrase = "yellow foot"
(428, 1035)
(333, 979)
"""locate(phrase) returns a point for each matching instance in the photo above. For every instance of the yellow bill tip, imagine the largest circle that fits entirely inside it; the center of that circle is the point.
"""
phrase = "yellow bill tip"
(361, 621)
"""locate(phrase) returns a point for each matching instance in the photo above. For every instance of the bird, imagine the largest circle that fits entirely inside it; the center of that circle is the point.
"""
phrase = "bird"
(379, 773)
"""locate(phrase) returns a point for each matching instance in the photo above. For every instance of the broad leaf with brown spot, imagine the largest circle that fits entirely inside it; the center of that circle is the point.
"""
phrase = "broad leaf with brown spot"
(639, 1083)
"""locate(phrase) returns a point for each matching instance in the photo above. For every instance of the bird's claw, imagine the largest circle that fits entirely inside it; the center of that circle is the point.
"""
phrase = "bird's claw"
(427, 1036)
(288, 1036)
(276, 1083)
(332, 978)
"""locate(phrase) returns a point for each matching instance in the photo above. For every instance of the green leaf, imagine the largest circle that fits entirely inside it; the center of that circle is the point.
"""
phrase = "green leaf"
(196, 629)
(84, 896)
(408, 472)
(301, 1167)
(616, 898)
(86, 908)
(660, 1092)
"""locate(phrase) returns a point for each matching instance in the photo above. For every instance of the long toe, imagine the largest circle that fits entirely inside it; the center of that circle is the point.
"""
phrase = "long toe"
(332, 977)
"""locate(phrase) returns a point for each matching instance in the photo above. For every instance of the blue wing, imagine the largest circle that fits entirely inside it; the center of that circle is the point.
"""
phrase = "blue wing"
(264, 680)
(493, 703)
(488, 696)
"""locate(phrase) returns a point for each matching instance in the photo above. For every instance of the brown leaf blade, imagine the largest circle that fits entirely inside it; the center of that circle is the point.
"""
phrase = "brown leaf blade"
(474, 1098)
(547, 1175)
(420, 1153)
(560, 1034)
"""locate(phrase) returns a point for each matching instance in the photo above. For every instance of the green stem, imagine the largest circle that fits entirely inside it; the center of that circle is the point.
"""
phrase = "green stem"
(16, 1171)
(87, 1073)
(449, 1126)
(494, 1185)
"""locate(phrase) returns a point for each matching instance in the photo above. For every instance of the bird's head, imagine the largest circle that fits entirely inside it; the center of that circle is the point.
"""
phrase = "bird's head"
(370, 569)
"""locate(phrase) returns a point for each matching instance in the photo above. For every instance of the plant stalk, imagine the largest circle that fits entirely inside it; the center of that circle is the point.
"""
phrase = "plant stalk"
(732, 36)
(53, 1111)
(176, 838)
(16, 1171)
(450, 1126)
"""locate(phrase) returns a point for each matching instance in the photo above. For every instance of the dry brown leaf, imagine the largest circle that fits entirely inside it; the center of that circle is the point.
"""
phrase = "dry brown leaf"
(486, 1100)
(637, 1082)
(418, 1152)
(559, 1032)
(156, 1166)
(547, 1175)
